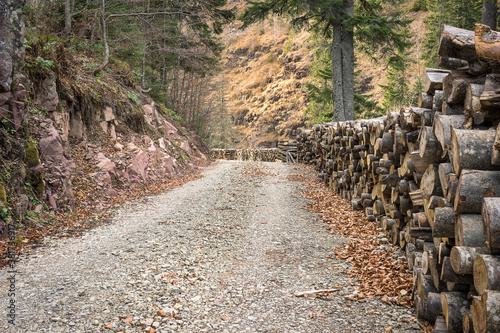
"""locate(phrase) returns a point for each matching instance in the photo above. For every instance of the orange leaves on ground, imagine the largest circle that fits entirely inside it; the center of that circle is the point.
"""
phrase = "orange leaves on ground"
(374, 264)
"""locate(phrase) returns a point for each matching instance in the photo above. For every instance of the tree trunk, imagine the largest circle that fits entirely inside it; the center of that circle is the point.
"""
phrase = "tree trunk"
(343, 66)
(489, 16)
(104, 39)
(67, 17)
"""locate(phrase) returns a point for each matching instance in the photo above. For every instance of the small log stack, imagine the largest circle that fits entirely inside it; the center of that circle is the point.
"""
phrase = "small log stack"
(286, 152)
(430, 176)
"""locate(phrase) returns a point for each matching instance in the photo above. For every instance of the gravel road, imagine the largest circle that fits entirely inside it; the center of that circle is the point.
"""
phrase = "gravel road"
(225, 253)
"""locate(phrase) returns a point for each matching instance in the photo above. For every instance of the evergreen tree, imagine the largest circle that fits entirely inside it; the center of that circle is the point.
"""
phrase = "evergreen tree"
(336, 19)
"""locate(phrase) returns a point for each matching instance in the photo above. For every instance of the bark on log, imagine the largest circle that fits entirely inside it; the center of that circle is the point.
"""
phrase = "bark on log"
(487, 42)
(429, 144)
(472, 103)
(452, 63)
(485, 311)
(495, 154)
(433, 79)
(473, 186)
(486, 273)
(452, 109)
(438, 100)
(469, 231)
(454, 306)
(444, 222)
(424, 286)
(462, 258)
(433, 307)
(442, 128)
(444, 170)
(425, 100)
(491, 223)
(449, 275)
(430, 184)
(455, 86)
(490, 98)
(457, 43)
(471, 149)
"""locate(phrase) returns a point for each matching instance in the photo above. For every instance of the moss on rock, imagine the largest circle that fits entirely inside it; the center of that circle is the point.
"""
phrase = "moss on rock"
(3, 194)
(31, 155)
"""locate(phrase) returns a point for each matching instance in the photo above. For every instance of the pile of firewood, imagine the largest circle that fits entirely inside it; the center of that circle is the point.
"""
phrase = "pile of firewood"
(286, 152)
(264, 155)
(430, 176)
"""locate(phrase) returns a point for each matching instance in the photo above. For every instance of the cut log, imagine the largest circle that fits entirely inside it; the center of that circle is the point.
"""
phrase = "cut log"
(472, 104)
(440, 326)
(457, 43)
(473, 186)
(425, 100)
(495, 154)
(442, 128)
(485, 311)
(452, 109)
(449, 275)
(455, 86)
(462, 258)
(490, 98)
(486, 273)
(438, 100)
(433, 79)
(491, 223)
(430, 184)
(452, 63)
(433, 307)
(454, 306)
(444, 170)
(469, 231)
(429, 144)
(467, 322)
(471, 149)
(487, 42)
(444, 222)
(424, 286)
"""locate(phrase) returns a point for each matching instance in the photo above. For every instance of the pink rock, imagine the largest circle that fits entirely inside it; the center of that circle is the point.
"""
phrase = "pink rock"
(105, 163)
(51, 147)
(186, 147)
(18, 112)
(106, 179)
(4, 97)
(139, 165)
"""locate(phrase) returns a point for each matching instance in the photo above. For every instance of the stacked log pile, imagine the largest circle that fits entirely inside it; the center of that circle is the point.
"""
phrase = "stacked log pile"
(264, 155)
(430, 176)
(286, 152)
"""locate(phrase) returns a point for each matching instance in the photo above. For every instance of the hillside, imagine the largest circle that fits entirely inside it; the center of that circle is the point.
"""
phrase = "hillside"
(74, 144)
(265, 68)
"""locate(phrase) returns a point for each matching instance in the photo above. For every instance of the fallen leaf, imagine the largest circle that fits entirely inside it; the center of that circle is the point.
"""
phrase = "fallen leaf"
(225, 319)
(161, 313)
(108, 326)
(388, 329)
(128, 319)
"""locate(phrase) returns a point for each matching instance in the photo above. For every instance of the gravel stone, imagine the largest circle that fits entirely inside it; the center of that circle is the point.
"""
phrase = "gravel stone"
(225, 253)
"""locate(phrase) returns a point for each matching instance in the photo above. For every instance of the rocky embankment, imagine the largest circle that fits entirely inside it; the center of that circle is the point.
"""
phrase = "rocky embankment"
(74, 143)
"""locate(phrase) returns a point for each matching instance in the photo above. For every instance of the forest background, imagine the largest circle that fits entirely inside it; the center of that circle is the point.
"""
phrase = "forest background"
(239, 87)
